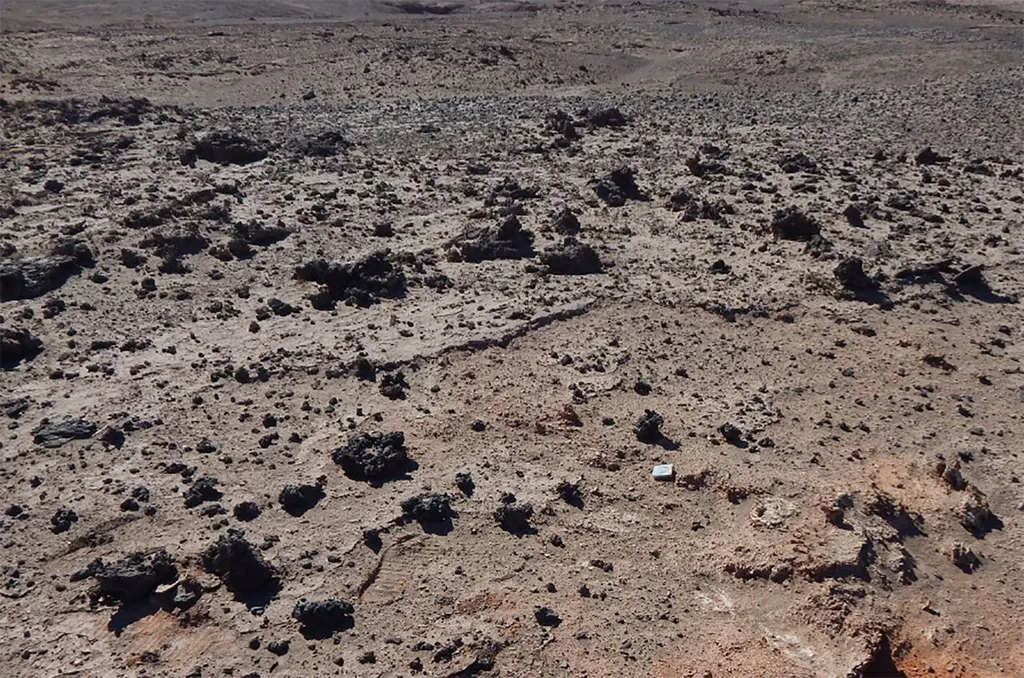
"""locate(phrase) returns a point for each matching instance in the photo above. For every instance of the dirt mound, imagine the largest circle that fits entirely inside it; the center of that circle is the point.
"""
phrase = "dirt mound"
(374, 456)
(618, 186)
(321, 618)
(571, 257)
(17, 345)
(240, 566)
(507, 240)
(34, 277)
(508, 191)
(131, 579)
(225, 148)
(879, 662)
(361, 283)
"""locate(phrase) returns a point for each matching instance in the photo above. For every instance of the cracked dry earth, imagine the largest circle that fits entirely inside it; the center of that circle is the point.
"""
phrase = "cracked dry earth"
(343, 338)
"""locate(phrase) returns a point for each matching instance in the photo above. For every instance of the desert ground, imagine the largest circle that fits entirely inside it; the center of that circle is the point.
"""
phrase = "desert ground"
(344, 338)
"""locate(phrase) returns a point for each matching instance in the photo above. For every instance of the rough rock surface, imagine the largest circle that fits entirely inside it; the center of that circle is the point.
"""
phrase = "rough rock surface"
(507, 240)
(17, 346)
(571, 257)
(321, 618)
(238, 564)
(374, 456)
(131, 578)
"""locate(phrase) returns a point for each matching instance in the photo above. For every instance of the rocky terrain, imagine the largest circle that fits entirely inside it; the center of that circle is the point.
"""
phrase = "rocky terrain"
(344, 338)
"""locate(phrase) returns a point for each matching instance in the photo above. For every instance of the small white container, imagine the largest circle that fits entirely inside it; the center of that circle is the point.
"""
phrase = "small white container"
(663, 472)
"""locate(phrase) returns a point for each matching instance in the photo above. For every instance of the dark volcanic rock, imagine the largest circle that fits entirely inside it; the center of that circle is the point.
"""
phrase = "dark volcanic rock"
(648, 427)
(571, 257)
(239, 565)
(321, 618)
(732, 434)
(224, 148)
(566, 222)
(55, 435)
(702, 168)
(17, 345)
(202, 490)
(545, 616)
(297, 499)
(363, 282)
(850, 274)
(607, 117)
(132, 578)
(510, 190)
(132, 259)
(562, 123)
(34, 277)
(62, 520)
(798, 163)
(507, 240)
(247, 510)
(707, 209)
(428, 507)
(392, 386)
(854, 216)
(464, 481)
(618, 187)
(374, 456)
(514, 517)
(323, 145)
(364, 369)
(792, 224)
(679, 200)
(570, 493)
(929, 157)
(257, 233)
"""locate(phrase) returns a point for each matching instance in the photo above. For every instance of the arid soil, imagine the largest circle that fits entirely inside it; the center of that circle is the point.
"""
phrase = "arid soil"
(343, 338)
